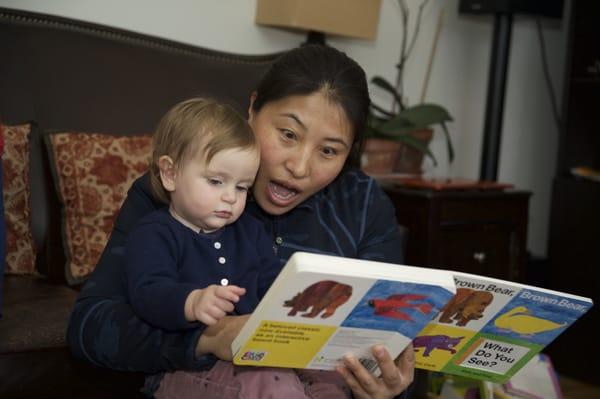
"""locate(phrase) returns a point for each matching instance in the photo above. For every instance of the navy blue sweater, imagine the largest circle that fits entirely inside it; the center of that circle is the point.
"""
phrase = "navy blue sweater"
(351, 217)
(165, 261)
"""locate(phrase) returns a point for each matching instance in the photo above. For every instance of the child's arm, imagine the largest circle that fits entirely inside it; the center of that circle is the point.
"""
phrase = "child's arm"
(153, 286)
(103, 328)
(210, 304)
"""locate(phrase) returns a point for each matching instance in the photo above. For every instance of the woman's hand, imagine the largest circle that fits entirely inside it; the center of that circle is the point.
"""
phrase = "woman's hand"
(395, 376)
(217, 339)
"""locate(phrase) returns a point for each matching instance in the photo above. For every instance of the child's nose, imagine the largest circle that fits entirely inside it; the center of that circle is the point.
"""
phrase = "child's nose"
(229, 196)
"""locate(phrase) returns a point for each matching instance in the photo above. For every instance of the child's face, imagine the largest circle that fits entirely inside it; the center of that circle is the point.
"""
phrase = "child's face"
(211, 196)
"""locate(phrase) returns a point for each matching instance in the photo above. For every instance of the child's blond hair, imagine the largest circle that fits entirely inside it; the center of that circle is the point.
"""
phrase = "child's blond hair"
(197, 124)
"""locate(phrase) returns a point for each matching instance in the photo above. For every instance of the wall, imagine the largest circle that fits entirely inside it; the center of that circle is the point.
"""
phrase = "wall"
(458, 80)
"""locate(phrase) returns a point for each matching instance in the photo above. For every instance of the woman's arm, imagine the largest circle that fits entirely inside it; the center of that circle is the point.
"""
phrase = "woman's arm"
(217, 339)
(103, 328)
(107, 333)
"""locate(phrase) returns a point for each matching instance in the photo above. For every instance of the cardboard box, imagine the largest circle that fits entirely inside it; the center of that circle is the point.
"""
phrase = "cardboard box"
(353, 18)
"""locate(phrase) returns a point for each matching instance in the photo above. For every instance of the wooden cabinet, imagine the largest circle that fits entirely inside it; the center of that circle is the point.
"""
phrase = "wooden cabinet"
(575, 215)
(482, 232)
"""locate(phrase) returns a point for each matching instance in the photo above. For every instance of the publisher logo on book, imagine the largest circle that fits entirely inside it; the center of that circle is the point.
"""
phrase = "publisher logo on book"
(254, 356)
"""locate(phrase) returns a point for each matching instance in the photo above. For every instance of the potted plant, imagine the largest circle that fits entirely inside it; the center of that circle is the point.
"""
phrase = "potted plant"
(398, 138)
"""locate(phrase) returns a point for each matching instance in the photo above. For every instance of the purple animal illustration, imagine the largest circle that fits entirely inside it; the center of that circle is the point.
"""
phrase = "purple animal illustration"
(431, 342)
(324, 295)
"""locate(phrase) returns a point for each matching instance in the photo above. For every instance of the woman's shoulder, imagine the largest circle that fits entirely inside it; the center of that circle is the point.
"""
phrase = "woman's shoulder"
(352, 176)
(141, 192)
(353, 185)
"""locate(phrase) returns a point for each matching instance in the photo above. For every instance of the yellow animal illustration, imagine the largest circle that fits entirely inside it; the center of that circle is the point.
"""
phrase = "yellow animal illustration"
(520, 321)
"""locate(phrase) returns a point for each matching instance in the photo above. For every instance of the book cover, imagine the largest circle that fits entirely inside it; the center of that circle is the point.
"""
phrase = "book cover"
(321, 307)
(491, 328)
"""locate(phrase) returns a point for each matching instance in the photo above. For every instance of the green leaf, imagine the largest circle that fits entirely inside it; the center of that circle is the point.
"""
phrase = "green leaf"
(398, 127)
(418, 117)
(448, 143)
(387, 86)
(381, 110)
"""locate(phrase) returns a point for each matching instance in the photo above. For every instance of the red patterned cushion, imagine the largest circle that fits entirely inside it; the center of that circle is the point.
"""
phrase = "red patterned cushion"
(20, 251)
(93, 173)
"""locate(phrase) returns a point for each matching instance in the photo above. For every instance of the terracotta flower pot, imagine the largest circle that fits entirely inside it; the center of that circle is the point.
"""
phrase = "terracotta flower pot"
(409, 158)
(379, 156)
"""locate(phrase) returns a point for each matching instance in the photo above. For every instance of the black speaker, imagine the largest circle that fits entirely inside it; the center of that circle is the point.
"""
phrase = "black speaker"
(545, 8)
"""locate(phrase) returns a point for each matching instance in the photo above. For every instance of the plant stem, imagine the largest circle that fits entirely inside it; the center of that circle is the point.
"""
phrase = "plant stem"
(399, 76)
(417, 28)
(436, 37)
(404, 51)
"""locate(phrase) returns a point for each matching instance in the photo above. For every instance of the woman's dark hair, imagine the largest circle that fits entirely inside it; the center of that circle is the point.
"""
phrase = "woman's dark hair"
(312, 68)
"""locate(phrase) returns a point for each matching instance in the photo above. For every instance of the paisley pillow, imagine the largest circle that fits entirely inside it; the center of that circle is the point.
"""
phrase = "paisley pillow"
(93, 172)
(20, 248)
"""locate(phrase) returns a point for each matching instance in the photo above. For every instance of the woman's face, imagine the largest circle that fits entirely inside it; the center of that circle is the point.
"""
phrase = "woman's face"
(304, 143)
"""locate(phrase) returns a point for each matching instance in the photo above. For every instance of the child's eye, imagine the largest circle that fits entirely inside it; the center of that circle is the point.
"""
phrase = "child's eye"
(214, 182)
(242, 188)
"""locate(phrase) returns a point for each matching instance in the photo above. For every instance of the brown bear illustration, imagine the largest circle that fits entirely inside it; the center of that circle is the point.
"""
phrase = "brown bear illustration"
(323, 295)
(466, 305)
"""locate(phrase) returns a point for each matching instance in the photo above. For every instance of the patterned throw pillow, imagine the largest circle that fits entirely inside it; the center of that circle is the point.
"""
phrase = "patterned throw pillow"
(93, 173)
(20, 250)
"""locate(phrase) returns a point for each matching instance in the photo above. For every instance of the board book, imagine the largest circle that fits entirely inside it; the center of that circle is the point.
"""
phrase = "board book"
(491, 328)
(321, 307)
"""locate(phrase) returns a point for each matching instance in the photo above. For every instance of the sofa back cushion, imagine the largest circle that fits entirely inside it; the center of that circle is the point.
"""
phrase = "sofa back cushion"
(2, 224)
(69, 75)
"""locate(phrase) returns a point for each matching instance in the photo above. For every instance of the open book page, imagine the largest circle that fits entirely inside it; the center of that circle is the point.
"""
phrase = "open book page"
(491, 328)
(322, 307)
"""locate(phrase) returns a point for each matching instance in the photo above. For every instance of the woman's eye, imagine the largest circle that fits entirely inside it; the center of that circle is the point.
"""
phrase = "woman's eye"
(214, 182)
(329, 151)
(288, 134)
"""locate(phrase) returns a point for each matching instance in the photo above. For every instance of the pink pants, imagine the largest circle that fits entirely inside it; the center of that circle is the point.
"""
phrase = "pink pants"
(227, 381)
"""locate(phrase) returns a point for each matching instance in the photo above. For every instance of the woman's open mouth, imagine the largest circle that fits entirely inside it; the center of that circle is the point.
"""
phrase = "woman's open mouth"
(280, 194)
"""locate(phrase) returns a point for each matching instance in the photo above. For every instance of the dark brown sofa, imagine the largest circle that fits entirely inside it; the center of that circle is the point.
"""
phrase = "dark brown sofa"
(65, 74)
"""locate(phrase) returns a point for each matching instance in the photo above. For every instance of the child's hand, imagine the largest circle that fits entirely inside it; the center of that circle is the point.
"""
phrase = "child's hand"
(212, 303)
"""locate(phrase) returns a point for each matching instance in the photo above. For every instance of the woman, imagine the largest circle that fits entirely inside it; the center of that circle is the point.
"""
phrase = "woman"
(308, 114)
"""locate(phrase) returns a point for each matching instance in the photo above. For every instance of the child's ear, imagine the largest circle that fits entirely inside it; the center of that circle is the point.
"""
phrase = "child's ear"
(167, 169)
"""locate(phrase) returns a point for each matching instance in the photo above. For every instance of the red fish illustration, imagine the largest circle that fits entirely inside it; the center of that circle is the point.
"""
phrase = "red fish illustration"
(390, 306)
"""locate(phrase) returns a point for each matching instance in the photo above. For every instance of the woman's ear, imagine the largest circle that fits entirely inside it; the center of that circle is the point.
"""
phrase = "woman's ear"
(250, 113)
(168, 172)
